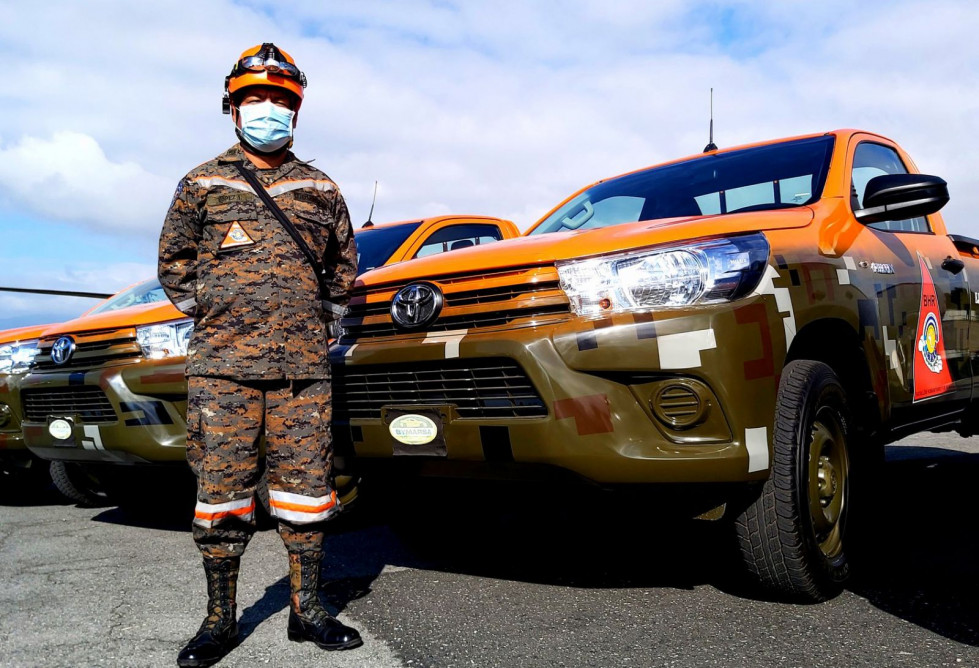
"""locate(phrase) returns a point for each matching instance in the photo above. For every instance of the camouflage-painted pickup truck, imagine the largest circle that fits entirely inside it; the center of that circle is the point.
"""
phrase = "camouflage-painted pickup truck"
(18, 468)
(752, 323)
(108, 389)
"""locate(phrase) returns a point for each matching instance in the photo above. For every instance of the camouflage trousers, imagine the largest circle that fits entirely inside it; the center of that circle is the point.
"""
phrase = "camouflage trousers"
(226, 419)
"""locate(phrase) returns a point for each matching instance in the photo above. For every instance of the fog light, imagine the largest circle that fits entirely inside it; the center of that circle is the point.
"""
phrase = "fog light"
(680, 405)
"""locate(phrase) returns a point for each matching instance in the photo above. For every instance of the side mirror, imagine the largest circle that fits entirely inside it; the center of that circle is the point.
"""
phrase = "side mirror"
(902, 196)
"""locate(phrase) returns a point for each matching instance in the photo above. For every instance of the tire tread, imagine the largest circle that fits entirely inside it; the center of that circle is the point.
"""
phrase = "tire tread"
(771, 529)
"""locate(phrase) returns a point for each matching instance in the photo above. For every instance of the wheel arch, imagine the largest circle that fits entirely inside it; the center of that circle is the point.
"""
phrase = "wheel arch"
(847, 357)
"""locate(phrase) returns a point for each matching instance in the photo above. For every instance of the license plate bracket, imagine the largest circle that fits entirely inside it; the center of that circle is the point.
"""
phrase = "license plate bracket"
(417, 431)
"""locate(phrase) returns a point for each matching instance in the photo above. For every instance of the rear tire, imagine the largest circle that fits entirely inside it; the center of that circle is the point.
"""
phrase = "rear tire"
(793, 535)
(77, 485)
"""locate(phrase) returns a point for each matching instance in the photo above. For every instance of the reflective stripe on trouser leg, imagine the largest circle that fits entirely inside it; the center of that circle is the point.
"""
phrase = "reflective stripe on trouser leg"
(299, 461)
(224, 420)
(211, 514)
(300, 509)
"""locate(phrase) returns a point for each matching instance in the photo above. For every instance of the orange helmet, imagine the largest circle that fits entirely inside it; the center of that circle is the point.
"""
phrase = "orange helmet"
(264, 65)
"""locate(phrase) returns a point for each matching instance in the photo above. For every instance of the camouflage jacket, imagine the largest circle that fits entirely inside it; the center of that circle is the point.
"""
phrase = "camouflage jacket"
(226, 261)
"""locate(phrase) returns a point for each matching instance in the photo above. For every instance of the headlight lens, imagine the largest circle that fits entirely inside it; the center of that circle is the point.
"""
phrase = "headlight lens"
(166, 340)
(17, 357)
(703, 272)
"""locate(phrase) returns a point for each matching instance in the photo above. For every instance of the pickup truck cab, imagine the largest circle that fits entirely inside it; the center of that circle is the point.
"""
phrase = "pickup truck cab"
(744, 328)
(108, 388)
(390, 243)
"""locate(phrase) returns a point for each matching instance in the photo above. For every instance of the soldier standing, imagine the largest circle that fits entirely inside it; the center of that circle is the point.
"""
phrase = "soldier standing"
(261, 295)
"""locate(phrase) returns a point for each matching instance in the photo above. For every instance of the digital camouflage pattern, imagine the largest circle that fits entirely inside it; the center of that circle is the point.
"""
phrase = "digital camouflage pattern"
(606, 388)
(226, 261)
(225, 420)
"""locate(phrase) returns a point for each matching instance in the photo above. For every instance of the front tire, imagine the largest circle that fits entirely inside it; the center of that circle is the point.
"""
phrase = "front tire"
(793, 535)
(78, 485)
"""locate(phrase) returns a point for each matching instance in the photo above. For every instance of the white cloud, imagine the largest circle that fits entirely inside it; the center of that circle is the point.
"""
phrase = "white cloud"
(499, 108)
(68, 177)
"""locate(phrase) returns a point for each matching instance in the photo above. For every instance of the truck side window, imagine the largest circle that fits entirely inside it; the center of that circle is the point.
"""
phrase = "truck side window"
(454, 237)
(870, 160)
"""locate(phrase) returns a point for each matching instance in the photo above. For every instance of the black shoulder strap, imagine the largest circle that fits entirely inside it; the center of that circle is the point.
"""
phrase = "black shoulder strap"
(283, 219)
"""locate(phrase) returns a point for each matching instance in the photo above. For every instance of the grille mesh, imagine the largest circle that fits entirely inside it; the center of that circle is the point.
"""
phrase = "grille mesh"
(88, 403)
(485, 388)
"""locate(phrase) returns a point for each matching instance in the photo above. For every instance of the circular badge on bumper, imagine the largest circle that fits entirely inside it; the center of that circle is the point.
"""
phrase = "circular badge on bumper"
(413, 429)
(60, 429)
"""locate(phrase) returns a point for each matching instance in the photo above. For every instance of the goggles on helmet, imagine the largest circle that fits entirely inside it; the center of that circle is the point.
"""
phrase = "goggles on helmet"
(259, 64)
(269, 59)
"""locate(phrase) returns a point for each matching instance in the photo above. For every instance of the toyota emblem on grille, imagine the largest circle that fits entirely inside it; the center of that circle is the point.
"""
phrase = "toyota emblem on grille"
(62, 350)
(416, 305)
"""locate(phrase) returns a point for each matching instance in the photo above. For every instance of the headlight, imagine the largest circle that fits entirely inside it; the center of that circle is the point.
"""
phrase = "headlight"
(166, 340)
(703, 272)
(17, 357)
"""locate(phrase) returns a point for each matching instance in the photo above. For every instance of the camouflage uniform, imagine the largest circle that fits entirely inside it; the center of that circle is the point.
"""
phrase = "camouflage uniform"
(257, 360)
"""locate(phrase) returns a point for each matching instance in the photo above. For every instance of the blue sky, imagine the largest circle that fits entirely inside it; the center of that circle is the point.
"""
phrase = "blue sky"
(499, 108)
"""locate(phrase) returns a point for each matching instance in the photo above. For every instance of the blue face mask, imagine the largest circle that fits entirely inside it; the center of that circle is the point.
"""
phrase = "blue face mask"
(265, 126)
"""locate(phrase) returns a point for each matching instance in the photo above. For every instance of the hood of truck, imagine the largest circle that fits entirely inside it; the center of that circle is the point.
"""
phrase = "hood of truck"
(548, 248)
(132, 316)
(22, 333)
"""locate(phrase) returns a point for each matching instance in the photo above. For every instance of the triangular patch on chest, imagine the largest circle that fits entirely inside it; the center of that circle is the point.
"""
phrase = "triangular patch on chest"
(236, 236)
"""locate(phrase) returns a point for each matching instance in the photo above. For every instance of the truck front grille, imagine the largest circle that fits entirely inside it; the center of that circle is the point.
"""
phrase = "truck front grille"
(485, 388)
(88, 403)
(527, 296)
(92, 349)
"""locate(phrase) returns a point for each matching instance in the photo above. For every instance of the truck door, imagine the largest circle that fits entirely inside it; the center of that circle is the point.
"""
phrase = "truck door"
(924, 305)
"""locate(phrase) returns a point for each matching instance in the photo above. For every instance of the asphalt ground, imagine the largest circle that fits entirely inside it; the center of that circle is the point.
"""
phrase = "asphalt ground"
(502, 575)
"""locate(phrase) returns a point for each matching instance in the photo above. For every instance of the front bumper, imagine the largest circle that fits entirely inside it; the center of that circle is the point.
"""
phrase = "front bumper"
(12, 445)
(146, 422)
(602, 383)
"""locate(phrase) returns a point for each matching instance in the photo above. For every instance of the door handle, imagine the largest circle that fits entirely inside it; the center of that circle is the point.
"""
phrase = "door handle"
(953, 265)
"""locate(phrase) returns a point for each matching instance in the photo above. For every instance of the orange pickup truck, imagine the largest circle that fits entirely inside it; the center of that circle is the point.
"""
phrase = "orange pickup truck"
(741, 330)
(18, 467)
(108, 388)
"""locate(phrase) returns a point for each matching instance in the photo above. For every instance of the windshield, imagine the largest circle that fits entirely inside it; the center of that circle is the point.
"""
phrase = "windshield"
(146, 292)
(777, 176)
(375, 246)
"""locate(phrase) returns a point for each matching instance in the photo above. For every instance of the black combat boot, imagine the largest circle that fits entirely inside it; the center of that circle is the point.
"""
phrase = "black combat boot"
(308, 619)
(218, 634)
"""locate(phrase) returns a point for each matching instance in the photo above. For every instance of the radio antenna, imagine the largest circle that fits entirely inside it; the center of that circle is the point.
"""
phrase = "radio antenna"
(370, 223)
(711, 146)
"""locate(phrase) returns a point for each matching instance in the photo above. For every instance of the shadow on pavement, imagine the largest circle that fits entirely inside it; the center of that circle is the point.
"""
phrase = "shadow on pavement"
(920, 562)
(340, 582)
(151, 498)
(556, 535)
(917, 561)
(18, 491)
